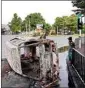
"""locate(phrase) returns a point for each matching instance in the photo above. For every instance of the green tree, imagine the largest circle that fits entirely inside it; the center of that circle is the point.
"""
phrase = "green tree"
(33, 19)
(66, 22)
(47, 27)
(83, 28)
(58, 23)
(79, 3)
(15, 24)
(23, 26)
(72, 22)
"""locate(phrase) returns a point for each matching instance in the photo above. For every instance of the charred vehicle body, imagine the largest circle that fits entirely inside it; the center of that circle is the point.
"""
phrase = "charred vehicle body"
(34, 58)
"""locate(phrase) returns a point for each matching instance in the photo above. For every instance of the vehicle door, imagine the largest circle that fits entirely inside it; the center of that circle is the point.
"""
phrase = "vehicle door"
(13, 57)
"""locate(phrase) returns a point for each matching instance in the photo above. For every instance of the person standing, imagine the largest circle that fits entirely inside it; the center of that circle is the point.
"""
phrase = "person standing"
(71, 46)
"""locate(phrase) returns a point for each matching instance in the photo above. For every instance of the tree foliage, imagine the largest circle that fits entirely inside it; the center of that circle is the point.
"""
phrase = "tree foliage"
(66, 22)
(72, 22)
(58, 22)
(30, 21)
(15, 24)
(84, 28)
(47, 27)
(33, 19)
(79, 3)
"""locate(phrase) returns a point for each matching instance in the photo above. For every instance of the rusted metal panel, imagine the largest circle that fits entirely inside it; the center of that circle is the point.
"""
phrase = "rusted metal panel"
(13, 57)
(45, 61)
(49, 63)
(42, 61)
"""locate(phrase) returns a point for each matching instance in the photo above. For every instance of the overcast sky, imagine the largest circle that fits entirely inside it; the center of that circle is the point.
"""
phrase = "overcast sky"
(48, 9)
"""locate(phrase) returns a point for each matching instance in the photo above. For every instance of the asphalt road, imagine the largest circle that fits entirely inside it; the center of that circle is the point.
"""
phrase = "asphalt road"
(60, 40)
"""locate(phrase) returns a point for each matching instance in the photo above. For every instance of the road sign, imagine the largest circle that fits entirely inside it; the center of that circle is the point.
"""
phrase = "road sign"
(39, 26)
(79, 15)
(80, 25)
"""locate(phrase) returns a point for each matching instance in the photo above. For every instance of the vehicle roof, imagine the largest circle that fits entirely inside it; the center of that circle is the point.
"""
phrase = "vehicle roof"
(19, 40)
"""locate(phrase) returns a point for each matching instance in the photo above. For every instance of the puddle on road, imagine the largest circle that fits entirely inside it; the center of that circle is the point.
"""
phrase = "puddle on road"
(63, 69)
(63, 49)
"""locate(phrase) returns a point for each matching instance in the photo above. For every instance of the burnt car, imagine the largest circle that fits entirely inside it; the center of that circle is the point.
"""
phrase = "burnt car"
(34, 58)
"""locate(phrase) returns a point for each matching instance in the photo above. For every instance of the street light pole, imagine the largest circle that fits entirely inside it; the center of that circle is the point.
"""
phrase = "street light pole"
(57, 30)
(79, 38)
(78, 12)
(79, 17)
(29, 23)
(26, 28)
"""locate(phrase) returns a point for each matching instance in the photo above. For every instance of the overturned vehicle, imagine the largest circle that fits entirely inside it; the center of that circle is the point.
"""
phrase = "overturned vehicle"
(34, 58)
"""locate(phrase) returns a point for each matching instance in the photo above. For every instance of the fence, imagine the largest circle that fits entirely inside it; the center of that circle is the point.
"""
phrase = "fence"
(78, 61)
(77, 41)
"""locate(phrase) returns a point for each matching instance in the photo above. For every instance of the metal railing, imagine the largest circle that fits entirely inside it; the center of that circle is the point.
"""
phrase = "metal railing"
(78, 61)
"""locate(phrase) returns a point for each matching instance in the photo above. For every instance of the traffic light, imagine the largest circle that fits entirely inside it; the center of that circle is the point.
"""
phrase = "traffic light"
(80, 25)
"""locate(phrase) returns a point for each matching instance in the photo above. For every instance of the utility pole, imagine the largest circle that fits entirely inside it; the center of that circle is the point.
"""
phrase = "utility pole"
(79, 34)
(57, 30)
(26, 27)
(79, 24)
(79, 27)
(29, 24)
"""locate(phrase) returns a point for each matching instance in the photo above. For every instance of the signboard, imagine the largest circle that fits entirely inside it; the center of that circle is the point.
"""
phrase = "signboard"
(79, 15)
(39, 26)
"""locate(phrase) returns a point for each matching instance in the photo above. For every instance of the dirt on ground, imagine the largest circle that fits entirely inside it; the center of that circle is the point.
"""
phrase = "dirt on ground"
(12, 79)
